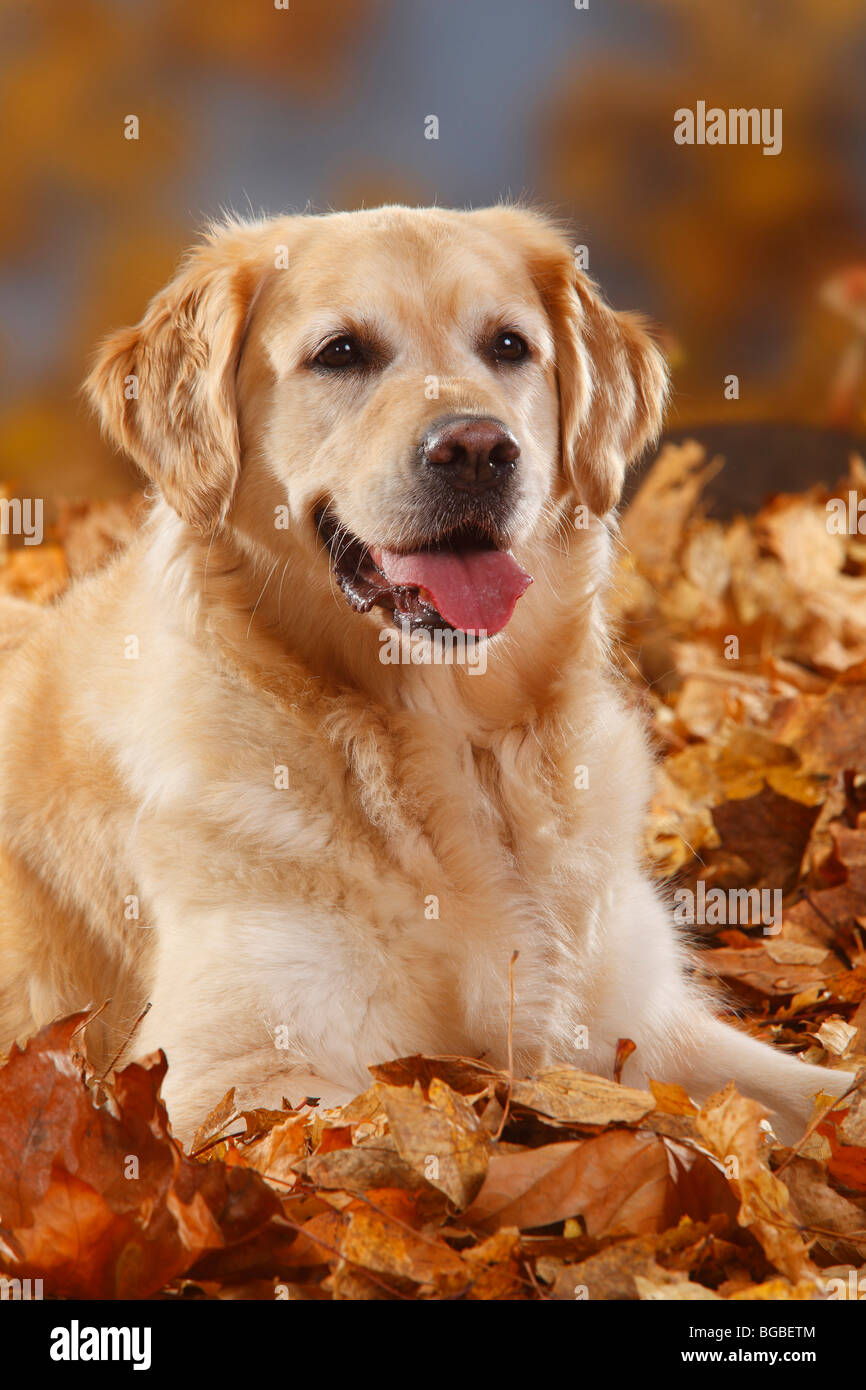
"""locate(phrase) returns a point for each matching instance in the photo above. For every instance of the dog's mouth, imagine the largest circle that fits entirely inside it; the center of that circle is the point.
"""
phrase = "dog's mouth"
(462, 581)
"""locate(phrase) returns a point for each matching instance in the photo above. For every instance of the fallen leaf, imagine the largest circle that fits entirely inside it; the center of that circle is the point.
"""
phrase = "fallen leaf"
(731, 1127)
(439, 1137)
(581, 1098)
(98, 1200)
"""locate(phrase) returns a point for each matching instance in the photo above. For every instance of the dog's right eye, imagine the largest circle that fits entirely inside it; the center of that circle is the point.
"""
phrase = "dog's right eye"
(344, 351)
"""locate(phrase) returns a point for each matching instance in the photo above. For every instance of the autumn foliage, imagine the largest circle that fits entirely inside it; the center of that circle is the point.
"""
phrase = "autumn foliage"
(448, 1179)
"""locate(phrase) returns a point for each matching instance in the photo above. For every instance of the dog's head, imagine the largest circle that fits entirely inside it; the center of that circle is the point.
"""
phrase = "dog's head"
(409, 393)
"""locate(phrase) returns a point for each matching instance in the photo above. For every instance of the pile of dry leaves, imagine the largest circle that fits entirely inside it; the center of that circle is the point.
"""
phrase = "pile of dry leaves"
(450, 1180)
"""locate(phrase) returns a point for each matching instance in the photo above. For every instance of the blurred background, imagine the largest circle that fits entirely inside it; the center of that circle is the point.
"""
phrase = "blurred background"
(752, 265)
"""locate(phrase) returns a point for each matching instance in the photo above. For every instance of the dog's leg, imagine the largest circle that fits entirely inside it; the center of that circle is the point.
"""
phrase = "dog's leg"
(189, 1102)
(210, 1054)
(193, 1087)
(650, 1000)
(703, 1054)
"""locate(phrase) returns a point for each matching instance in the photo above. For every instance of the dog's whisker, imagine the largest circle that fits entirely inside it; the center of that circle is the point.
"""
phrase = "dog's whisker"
(280, 592)
(328, 547)
(262, 594)
(207, 560)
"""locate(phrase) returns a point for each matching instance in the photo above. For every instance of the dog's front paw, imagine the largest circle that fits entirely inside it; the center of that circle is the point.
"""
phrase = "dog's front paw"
(794, 1107)
(297, 1088)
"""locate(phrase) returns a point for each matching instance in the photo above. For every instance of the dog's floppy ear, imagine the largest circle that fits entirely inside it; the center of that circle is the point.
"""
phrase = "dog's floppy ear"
(607, 428)
(165, 390)
(612, 378)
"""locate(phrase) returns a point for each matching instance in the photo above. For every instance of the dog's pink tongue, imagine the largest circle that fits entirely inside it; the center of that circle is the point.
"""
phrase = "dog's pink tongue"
(472, 589)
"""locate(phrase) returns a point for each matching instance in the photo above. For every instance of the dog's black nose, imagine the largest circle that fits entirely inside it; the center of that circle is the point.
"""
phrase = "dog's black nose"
(471, 452)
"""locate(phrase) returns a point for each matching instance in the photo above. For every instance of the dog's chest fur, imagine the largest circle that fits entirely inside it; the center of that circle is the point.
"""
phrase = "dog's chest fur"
(395, 860)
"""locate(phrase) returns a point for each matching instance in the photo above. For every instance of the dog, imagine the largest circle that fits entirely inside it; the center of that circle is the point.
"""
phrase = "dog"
(225, 792)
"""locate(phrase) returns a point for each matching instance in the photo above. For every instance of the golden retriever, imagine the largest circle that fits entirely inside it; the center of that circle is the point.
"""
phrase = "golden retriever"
(225, 787)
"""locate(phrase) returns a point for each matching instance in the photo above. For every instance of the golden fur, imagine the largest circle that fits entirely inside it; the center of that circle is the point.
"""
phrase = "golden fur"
(287, 936)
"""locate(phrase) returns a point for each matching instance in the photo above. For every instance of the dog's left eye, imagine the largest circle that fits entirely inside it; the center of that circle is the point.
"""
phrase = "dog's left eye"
(508, 346)
(344, 351)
